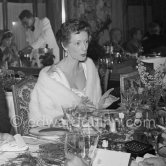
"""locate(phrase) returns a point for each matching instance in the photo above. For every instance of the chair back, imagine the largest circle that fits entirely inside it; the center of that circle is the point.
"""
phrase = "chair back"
(21, 98)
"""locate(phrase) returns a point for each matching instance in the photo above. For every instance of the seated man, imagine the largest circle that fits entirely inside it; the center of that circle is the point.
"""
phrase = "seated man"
(134, 44)
(155, 42)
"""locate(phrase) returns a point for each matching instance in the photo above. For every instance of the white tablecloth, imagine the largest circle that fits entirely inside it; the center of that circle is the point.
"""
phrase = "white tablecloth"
(156, 61)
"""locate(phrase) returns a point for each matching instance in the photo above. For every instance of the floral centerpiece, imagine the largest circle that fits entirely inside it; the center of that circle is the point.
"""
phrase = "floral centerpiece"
(141, 101)
(9, 78)
(152, 84)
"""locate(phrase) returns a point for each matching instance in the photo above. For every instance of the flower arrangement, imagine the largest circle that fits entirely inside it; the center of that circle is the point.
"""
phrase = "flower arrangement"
(152, 83)
(10, 77)
(146, 93)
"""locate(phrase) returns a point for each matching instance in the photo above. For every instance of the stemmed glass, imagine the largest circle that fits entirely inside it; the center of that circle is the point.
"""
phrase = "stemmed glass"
(81, 145)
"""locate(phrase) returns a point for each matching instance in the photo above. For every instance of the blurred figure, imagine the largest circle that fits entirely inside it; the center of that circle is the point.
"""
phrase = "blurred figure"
(8, 51)
(116, 37)
(154, 41)
(134, 44)
(39, 34)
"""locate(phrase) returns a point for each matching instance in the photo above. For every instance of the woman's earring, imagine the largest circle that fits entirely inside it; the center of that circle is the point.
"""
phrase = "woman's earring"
(65, 54)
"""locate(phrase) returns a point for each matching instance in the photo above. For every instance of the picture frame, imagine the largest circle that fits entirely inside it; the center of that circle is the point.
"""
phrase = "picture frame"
(129, 81)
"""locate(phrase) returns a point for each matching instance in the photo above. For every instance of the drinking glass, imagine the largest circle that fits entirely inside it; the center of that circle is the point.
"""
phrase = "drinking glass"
(81, 145)
(75, 144)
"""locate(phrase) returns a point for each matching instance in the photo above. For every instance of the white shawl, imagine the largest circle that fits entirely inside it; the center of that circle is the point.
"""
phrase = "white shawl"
(50, 95)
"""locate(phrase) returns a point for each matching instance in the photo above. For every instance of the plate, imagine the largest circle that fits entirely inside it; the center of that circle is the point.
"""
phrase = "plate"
(12, 147)
(162, 151)
(48, 132)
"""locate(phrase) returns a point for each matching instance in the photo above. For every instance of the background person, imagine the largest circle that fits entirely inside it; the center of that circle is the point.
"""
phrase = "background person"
(8, 50)
(39, 33)
(134, 44)
(115, 40)
(154, 41)
(72, 82)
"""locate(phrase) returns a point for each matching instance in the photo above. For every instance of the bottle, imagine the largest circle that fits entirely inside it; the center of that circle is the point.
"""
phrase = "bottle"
(105, 144)
(113, 126)
(46, 49)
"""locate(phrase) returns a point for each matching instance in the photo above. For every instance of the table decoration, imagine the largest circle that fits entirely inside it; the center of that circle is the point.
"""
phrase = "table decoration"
(46, 155)
(82, 145)
(9, 78)
(152, 84)
(45, 132)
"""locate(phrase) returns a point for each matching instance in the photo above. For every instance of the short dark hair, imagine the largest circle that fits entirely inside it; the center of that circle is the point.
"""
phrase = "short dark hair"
(25, 13)
(72, 26)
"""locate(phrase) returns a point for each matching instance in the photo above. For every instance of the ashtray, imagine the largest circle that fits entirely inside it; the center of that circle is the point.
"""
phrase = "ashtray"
(137, 148)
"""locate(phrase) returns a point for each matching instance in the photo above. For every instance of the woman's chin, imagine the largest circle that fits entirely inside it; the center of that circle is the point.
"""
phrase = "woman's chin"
(82, 59)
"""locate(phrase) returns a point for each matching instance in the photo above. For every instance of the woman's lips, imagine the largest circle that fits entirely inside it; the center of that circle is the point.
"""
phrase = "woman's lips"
(83, 55)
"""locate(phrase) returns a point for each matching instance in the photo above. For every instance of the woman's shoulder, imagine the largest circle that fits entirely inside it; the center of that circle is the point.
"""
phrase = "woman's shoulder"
(89, 60)
(51, 72)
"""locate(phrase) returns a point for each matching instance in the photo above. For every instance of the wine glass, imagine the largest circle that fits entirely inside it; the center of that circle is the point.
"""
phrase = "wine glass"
(74, 145)
(82, 145)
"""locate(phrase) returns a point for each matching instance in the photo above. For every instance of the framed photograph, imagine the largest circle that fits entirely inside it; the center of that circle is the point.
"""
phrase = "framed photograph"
(130, 81)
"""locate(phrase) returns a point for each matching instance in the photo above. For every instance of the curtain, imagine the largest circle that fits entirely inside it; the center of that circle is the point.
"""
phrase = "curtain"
(14, 9)
(41, 10)
(1, 17)
(96, 12)
(54, 13)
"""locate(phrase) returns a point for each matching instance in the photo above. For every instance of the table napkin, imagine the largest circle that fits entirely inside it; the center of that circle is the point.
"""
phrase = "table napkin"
(107, 157)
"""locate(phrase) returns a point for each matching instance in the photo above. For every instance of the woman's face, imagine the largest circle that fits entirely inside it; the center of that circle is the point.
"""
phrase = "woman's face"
(78, 45)
(7, 42)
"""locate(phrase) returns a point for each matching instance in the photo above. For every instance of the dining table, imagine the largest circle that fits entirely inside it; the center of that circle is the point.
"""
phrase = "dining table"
(128, 142)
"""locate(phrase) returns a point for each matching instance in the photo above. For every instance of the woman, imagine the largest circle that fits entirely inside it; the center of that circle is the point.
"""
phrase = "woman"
(74, 80)
(8, 52)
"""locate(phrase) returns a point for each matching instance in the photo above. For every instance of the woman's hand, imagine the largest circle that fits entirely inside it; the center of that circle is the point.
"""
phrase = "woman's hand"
(153, 161)
(85, 102)
(107, 99)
